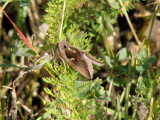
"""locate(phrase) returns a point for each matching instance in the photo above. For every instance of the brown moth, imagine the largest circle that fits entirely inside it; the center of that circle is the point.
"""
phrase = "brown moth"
(79, 60)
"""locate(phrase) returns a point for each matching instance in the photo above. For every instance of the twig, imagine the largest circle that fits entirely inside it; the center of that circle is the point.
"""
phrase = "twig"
(150, 109)
(13, 104)
(33, 7)
(130, 25)
(29, 111)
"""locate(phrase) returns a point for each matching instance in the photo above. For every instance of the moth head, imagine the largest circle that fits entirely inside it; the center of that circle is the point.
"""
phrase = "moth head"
(65, 50)
(63, 45)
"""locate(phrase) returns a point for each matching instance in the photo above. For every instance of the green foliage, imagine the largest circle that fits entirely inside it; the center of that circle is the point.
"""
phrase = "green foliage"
(121, 69)
(143, 86)
(156, 108)
(77, 39)
(21, 50)
(142, 63)
(143, 60)
(73, 99)
(108, 60)
(121, 55)
(54, 16)
(98, 17)
(70, 98)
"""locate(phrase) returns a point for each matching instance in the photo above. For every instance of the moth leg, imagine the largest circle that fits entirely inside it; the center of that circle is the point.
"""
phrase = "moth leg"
(63, 63)
(71, 59)
(64, 66)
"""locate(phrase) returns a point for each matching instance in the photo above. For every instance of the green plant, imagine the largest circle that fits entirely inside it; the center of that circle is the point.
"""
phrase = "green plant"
(71, 99)
(63, 104)
(72, 96)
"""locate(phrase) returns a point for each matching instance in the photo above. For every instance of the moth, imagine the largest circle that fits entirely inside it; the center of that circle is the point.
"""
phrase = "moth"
(79, 60)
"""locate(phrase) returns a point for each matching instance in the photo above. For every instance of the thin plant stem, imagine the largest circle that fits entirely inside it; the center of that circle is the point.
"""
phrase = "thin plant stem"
(150, 109)
(20, 112)
(109, 45)
(153, 18)
(134, 114)
(128, 84)
(106, 39)
(5, 4)
(130, 25)
(109, 93)
(62, 19)
(119, 108)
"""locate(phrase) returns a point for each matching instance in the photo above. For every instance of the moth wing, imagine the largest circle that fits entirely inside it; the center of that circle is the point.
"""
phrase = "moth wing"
(80, 63)
(75, 59)
(92, 59)
(89, 66)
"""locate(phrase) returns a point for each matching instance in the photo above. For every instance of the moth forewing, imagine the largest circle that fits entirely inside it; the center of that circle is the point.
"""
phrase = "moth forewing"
(89, 67)
(85, 67)
(92, 59)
